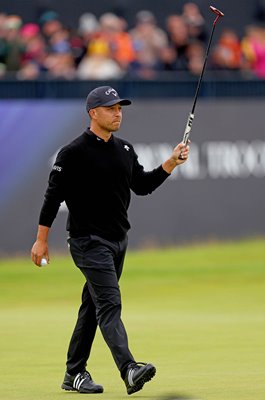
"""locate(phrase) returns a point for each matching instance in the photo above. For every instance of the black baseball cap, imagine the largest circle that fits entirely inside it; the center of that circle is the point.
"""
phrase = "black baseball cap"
(104, 96)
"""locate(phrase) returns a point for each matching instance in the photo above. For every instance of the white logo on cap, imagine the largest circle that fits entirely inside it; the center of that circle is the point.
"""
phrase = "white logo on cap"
(111, 90)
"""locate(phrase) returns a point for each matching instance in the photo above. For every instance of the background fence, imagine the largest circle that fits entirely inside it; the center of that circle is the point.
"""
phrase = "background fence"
(171, 87)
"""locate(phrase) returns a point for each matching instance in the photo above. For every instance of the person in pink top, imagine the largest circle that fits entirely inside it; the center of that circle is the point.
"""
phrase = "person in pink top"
(253, 47)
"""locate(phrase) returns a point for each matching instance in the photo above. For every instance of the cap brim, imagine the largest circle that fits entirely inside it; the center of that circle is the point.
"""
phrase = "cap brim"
(122, 102)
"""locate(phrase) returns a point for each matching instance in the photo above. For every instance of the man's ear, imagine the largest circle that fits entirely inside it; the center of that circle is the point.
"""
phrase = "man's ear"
(92, 113)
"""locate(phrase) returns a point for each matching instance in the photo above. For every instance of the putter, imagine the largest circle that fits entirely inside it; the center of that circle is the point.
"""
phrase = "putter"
(187, 132)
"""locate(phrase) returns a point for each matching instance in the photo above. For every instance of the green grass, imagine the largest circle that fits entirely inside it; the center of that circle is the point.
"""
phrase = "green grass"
(196, 312)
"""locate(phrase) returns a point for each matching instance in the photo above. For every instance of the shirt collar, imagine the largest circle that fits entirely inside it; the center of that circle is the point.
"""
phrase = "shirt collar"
(97, 138)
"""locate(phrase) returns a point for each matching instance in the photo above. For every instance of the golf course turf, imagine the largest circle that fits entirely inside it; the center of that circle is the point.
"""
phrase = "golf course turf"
(197, 312)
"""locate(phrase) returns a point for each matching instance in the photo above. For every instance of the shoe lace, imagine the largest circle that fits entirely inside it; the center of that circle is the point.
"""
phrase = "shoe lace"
(136, 365)
(86, 374)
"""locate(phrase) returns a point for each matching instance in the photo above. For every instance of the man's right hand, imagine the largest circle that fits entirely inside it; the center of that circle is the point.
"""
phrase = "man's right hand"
(40, 247)
(39, 250)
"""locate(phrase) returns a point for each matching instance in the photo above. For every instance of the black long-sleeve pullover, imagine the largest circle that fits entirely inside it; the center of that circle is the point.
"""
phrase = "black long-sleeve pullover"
(94, 178)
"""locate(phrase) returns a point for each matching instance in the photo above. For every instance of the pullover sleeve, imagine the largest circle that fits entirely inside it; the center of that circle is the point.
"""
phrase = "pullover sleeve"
(55, 193)
(145, 182)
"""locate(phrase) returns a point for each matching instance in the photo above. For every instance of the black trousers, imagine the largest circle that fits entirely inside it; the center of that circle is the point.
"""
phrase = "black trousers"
(101, 262)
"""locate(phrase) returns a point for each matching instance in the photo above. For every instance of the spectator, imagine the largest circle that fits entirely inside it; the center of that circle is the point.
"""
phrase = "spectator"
(113, 29)
(34, 54)
(59, 62)
(28, 71)
(77, 46)
(179, 39)
(167, 59)
(97, 64)
(88, 27)
(60, 65)
(148, 40)
(50, 24)
(194, 21)
(104, 49)
(195, 55)
(253, 46)
(227, 54)
(142, 68)
(35, 49)
(14, 47)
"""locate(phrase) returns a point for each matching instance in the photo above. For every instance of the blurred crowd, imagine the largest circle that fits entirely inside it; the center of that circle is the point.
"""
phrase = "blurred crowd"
(106, 48)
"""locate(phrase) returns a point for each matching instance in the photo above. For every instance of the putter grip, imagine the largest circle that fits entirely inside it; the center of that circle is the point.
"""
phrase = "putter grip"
(188, 129)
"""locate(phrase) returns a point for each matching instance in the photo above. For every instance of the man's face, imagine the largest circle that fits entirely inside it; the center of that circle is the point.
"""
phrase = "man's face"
(107, 118)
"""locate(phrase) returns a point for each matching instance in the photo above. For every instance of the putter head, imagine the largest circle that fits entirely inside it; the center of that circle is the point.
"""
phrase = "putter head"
(216, 11)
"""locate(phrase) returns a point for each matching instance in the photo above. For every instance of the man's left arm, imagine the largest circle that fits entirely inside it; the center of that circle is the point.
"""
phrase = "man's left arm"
(145, 182)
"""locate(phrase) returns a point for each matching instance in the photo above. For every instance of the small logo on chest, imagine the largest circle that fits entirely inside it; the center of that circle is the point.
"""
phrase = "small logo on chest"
(126, 147)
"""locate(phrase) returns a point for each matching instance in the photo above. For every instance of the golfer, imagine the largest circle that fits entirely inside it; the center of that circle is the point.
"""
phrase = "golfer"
(94, 175)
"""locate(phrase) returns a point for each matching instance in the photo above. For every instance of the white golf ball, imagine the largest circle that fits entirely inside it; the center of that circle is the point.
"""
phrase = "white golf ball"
(43, 262)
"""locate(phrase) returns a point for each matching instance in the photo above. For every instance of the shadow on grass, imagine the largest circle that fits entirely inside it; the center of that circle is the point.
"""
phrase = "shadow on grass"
(177, 396)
